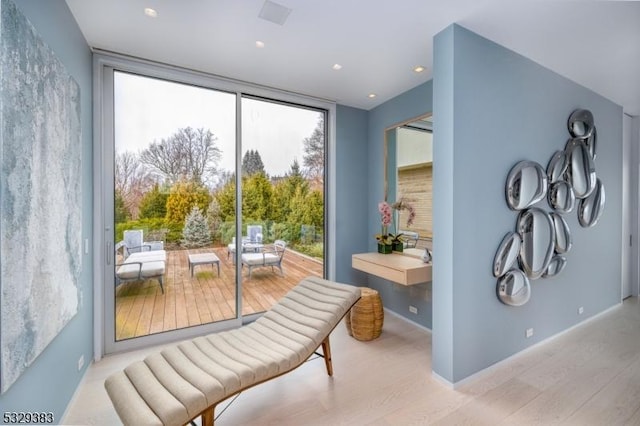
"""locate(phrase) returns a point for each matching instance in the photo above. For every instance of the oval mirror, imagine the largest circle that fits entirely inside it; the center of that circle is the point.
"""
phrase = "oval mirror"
(581, 171)
(538, 241)
(557, 166)
(556, 266)
(561, 197)
(514, 288)
(507, 253)
(591, 142)
(526, 185)
(563, 234)
(580, 123)
(590, 209)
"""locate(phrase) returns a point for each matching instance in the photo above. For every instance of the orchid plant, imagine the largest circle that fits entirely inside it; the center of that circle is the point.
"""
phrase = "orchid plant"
(387, 214)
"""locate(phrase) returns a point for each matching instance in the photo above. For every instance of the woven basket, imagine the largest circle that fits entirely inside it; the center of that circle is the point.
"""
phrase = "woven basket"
(364, 321)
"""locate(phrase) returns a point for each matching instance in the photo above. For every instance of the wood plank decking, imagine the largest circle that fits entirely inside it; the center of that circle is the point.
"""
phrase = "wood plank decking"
(142, 309)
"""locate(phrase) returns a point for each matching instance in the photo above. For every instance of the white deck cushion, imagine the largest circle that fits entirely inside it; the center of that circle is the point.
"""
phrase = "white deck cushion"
(152, 269)
(174, 386)
(147, 256)
(260, 258)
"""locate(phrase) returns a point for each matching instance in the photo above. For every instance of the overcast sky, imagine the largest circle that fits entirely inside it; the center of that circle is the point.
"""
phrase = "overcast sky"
(148, 110)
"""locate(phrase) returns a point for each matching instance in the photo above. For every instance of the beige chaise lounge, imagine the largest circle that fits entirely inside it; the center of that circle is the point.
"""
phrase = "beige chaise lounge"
(188, 380)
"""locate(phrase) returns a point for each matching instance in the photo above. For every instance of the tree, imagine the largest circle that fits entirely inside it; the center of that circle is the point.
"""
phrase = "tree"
(222, 178)
(183, 197)
(213, 217)
(284, 191)
(252, 163)
(131, 180)
(188, 154)
(256, 197)
(154, 203)
(313, 159)
(120, 210)
(195, 232)
(314, 212)
(226, 198)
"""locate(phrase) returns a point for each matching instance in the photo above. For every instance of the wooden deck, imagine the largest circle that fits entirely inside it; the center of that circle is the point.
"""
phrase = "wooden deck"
(142, 309)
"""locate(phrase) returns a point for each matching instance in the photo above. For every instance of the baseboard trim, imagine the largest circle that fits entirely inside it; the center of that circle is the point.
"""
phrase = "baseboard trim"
(76, 392)
(397, 315)
(442, 380)
(477, 375)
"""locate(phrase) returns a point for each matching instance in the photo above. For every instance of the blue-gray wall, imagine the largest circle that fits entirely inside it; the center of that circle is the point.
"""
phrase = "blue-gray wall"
(49, 383)
(351, 191)
(410, 104)
(493, 108)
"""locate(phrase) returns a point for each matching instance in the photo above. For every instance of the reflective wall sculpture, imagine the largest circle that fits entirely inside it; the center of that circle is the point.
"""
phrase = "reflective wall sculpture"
(538, 247)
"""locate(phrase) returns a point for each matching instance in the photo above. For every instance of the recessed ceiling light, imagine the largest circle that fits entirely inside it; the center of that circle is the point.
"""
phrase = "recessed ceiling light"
(336, 67)
(150, 12)
(372, 95)
(419, 68)
(259, 44)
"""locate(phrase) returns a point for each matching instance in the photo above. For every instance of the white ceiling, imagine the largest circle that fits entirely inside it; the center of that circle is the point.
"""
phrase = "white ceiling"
(596, 44)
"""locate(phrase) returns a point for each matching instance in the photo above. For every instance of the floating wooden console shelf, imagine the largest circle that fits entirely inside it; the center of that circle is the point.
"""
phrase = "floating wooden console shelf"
(401, 269)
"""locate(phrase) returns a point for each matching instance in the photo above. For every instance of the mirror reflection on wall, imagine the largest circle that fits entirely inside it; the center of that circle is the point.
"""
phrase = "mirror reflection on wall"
(408, 151)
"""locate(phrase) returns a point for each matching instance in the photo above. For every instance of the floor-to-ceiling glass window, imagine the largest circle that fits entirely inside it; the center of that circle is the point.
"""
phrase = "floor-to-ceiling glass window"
(214, 204)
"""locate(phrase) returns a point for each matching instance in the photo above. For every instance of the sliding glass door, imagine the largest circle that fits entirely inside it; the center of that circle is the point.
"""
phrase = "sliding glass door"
(174, 145)
(282, 178)
(213, 204)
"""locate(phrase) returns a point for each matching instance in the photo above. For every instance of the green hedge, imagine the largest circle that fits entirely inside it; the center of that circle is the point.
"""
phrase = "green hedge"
(173, 234)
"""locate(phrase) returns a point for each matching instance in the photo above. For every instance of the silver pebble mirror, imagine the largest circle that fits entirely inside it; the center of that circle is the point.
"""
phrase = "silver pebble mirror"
(543, 238)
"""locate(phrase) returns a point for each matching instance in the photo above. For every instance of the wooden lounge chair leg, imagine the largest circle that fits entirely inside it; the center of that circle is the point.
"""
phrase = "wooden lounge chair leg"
(326, 350)
(207, 416)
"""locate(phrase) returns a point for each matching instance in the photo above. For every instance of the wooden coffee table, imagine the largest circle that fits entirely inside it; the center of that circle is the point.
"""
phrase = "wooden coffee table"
(203, 259)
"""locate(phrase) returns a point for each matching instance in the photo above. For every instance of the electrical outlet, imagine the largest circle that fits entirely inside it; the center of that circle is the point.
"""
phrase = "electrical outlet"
(580, 310)
(413, 309)
(528, 333)
(80, 362)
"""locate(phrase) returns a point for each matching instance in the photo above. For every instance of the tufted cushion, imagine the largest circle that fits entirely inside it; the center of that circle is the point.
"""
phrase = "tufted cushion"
(177, 384)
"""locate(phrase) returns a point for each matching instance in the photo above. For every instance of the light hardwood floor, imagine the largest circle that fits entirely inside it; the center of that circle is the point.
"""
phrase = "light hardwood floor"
(587, 376)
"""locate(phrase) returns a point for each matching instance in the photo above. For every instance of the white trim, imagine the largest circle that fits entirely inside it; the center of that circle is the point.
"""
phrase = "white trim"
(634, 189)
(442, 380)
(98, 216)
(397, 315)
(76, 392)
(330, 204)
(626, 262)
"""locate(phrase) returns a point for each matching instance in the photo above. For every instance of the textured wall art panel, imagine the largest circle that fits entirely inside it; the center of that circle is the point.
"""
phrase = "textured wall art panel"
(40, 198)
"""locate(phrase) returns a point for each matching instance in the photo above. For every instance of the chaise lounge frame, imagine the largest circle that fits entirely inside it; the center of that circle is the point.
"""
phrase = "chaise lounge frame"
(188, 381)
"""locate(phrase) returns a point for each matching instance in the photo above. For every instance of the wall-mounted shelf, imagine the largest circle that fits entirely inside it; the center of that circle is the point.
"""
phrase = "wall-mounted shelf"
(405, 270)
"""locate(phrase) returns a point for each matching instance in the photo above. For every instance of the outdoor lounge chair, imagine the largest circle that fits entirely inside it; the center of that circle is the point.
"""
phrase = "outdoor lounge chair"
(141, 265)
(267, 257)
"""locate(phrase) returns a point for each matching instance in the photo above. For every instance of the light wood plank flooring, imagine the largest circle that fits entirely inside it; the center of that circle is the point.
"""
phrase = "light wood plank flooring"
(588, 376)
(142, 309)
